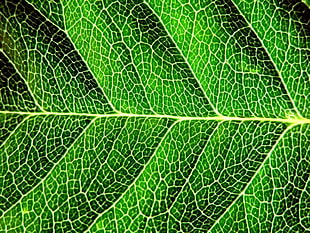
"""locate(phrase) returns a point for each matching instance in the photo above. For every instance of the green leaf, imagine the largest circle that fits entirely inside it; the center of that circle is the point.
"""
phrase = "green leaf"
(154, 116)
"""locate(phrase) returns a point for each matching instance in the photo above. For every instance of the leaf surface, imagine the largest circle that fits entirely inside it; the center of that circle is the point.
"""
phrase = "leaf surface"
(154, 116)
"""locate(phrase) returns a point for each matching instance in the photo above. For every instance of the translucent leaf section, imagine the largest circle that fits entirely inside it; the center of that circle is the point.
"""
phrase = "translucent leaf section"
(58, 78)
(134, 59)
(144, 206)
(234, 220)
(284, 29)
(31, 152)
(227, 57)
(154, 116)
(278, 198)
(223, 171)
(192, 180)
(97, 170)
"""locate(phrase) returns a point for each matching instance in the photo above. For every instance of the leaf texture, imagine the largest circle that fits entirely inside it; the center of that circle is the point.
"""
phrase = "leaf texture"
(154, 116)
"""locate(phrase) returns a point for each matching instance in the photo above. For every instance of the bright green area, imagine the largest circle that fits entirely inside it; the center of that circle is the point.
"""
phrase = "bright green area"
(307, 2)
(144, 205)
(278, 198)
(110, 116)
(134, 58)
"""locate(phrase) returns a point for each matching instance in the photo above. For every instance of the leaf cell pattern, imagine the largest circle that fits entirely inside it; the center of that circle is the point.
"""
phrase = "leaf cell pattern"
(154, 116)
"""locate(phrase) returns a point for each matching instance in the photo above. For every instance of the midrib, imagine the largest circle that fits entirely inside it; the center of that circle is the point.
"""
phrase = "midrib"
(180, 118)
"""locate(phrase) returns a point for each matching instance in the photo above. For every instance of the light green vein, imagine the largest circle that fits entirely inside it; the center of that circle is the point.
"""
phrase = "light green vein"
(13, 131)
(181, 118)
(194, 168)
(131, 57)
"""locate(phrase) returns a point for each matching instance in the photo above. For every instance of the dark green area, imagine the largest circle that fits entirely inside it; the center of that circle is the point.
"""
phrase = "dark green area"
(14, 93)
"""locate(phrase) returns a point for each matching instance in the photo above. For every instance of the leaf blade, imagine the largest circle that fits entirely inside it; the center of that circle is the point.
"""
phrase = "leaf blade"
(157, 116)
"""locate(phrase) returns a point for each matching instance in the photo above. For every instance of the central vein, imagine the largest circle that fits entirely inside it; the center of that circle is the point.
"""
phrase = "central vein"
(218, 118)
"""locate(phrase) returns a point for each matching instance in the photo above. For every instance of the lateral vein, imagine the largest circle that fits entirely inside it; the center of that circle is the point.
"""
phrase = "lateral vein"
(47, 175)
(134, 182)
(254, 175)
(270, 57)
(25, 81)
(82, 58)
(185, 59)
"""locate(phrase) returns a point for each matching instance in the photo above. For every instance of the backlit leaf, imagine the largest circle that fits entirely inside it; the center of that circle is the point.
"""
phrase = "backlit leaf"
(154, 116)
